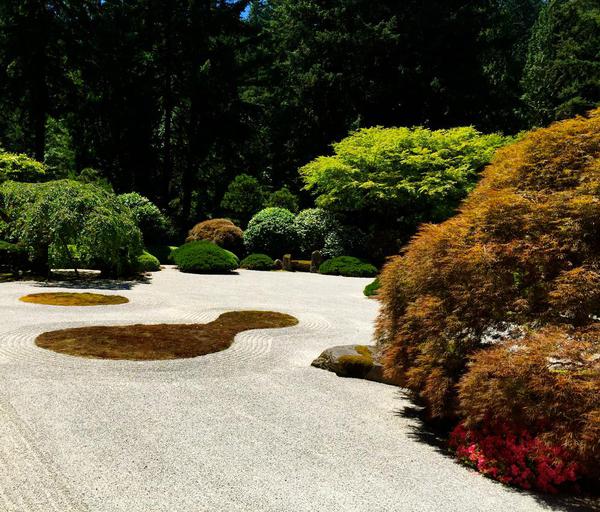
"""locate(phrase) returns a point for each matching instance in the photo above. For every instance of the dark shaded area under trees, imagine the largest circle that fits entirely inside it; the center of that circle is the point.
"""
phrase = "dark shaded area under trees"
(173, 99)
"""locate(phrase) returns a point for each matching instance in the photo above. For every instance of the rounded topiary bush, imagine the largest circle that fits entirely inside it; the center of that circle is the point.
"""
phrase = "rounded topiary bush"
(521, 257)
(222, 232)
(204, 257)
(257, 262)
(313, 227)
(347, 266)
(154, 224)
(146, 262)
(271, 231)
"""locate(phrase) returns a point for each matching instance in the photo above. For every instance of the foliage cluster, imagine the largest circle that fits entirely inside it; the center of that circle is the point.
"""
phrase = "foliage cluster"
(13, 257)
(155, 225)
(204, 257)
(18, 167)
(513, 456)
(162, 253)
(257, 261)
(413, 173)
(347, 266)
(523, 251)
(146, 262)
(372, 289)
(54, 216)
(222, 232)
(271, 231)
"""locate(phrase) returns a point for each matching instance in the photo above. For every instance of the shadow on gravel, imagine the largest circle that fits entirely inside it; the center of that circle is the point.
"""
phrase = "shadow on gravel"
(436, 436)
(90, 282)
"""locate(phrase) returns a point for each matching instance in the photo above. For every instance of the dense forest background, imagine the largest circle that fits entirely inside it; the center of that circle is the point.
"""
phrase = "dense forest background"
(175, 98)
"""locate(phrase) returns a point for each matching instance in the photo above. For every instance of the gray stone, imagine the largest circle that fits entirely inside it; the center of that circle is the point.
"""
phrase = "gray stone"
(330, 360)
(316, 259)
(287, 263)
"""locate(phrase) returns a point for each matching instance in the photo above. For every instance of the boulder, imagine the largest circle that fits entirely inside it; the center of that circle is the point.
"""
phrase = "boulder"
(355, 361)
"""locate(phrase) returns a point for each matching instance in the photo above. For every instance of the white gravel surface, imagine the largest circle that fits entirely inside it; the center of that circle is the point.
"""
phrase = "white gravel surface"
(253, 428)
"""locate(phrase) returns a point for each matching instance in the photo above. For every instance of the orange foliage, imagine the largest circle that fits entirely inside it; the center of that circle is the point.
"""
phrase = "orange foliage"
(222, 232)
(523, 250)
(547, 382)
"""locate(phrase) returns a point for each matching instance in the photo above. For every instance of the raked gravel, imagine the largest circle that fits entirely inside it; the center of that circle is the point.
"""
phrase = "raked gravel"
(252, 428)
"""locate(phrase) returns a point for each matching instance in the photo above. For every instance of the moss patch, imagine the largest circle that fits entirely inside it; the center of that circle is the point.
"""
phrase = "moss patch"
(163, 341)
(74, 299)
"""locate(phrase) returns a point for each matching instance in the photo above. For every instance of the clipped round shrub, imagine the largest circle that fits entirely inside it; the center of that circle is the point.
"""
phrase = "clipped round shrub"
(271, 231)
(283, 198)
(347, 266)
(146, 262)
(222, 232)
(522, 256)
(257, 262)
(313, 226)
(204, 257)
(154, 224)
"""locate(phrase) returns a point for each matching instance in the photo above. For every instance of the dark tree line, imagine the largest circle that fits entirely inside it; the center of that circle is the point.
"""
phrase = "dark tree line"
(174, 98)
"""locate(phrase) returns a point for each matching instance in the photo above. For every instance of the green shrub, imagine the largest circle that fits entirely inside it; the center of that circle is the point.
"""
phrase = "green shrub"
(163, 253)
(313, 227)
(154, 224)
(13, 257)
(244, 197)
(373, 288)
(283, 198)
(146, 262)
(348, 266)
(50, 217)
(61, 257)
(257, 262)
(204, 257)
(271, 231)
(18, 167)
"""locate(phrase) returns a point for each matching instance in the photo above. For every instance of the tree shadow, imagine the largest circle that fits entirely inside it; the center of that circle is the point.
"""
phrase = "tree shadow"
(436, 436)
(90, 281)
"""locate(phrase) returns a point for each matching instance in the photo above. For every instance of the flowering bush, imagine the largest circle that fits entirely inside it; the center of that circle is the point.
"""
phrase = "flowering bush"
(514, 456)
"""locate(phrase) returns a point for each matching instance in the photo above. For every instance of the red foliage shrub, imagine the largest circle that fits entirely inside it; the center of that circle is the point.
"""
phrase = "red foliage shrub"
(547, 383)
(524, 238)
(513, 456)
(222, 232)
(523, 252)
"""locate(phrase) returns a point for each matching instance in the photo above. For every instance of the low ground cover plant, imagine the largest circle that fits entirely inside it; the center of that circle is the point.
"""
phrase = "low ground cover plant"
(164, 341)
(222, 232)
(74, 299)
(257, 262)
(491, 316)
(204, 257)
(348, 266)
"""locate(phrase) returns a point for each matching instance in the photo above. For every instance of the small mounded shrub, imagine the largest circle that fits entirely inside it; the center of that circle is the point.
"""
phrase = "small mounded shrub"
(146, 262)
(348, 266)
(271, 231)
(283, 198)
(204, 257)
(222, 232)
(257, 262)
(372, 289)
(163, 253)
